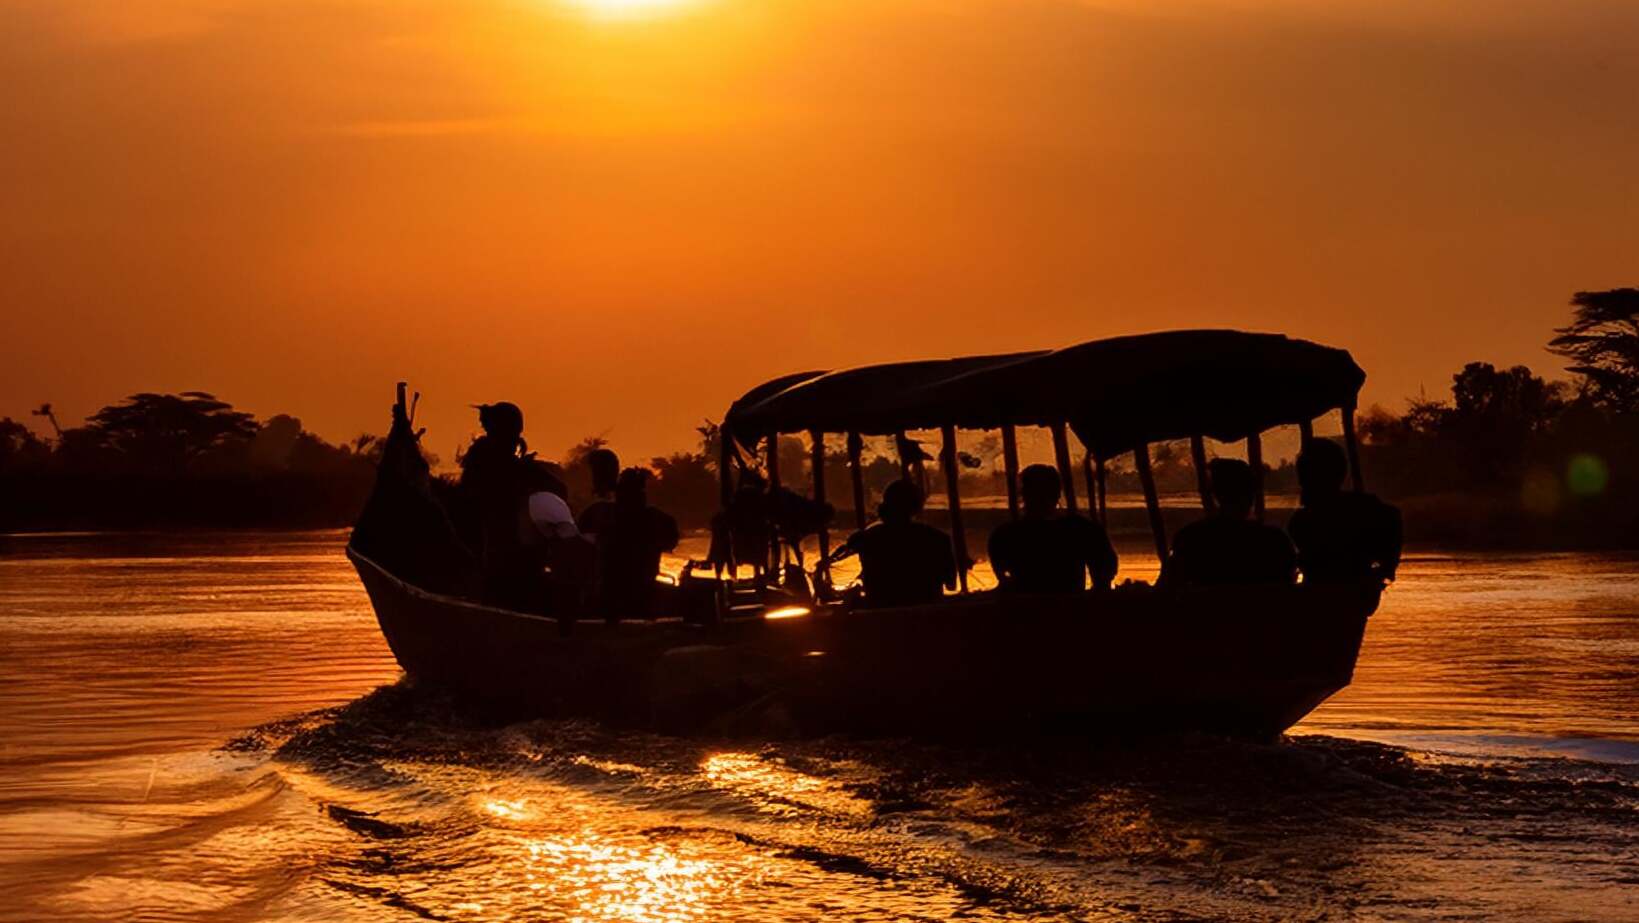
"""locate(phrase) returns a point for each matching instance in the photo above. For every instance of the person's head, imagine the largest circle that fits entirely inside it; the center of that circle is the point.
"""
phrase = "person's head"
(502, 421)
(605, 467)
(1232, 486)
(901, 501)
(1039, 486)
(632, 489)
(1321, 468)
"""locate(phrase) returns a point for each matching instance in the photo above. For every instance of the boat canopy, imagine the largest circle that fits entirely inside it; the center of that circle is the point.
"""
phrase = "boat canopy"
(1116, 394)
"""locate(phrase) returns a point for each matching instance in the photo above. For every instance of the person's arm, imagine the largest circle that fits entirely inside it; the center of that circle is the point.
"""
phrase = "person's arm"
(996, 548)
(1101, 558)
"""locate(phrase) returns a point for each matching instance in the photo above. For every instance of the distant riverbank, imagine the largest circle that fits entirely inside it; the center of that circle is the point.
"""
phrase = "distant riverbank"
(289, 504)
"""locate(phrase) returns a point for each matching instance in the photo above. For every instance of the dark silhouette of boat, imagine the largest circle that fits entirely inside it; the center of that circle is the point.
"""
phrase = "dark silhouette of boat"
(756, 654)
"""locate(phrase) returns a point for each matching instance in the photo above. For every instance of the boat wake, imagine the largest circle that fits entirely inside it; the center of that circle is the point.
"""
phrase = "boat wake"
(449, 815)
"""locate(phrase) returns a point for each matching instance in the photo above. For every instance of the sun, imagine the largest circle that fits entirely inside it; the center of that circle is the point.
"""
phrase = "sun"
(628, 9)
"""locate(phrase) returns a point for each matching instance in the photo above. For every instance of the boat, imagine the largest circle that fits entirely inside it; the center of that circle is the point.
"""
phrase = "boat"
(753, 652)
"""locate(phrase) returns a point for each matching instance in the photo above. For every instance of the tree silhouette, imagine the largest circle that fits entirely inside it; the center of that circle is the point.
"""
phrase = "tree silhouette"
(167, 432)
(20, 449)
(1603, 342)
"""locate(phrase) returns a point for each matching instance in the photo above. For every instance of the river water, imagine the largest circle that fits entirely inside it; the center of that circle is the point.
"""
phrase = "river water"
(209, 727)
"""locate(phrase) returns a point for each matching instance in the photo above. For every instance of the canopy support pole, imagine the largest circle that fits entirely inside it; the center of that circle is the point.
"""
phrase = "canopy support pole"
(1010, 459)
(817, 462)
(1089, 482)
(856, 445)
(775, 557)
(1203, 483)
(1152, 502)
(1306, 434)
(953, 493)
(1352, 446)
(1061, 454)
(725, 487)
(1254, 457)
(1103, 505)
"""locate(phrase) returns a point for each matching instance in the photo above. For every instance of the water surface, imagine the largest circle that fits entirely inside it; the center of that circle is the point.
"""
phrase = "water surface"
(188, 731)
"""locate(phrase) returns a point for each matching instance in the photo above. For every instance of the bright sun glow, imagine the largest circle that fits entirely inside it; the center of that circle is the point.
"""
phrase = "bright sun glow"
(627, 9)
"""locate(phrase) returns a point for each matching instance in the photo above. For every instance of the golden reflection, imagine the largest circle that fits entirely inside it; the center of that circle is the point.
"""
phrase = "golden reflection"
(778, 789)
(786, 612)
(507, 810)
(635, 884)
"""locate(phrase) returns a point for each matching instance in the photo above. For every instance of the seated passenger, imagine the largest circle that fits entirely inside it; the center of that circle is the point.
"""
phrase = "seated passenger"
(1341, 536)
(629, 549)
(557, 545)
(605, 466)
(1228, 547)
(902, 562)
(1049, 551)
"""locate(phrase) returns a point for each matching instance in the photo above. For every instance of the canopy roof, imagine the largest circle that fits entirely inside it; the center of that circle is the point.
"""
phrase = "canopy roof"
(1114, 393)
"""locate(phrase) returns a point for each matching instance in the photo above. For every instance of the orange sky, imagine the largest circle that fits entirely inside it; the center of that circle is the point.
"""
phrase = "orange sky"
(622, 223)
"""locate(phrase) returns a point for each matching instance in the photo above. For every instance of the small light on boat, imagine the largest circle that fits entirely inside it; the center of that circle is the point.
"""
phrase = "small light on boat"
(786, 612)
(813, 653)
(666, 579)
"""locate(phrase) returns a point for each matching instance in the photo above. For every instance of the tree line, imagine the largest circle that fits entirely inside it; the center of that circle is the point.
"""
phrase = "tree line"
(1508, 458)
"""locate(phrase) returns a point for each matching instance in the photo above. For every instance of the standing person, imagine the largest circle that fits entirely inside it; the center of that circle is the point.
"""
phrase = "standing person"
(1050, 550)
(494, 482)
(629, 549)
(902, 562)
(1228, 547)
(605, 467)
(1341, 536)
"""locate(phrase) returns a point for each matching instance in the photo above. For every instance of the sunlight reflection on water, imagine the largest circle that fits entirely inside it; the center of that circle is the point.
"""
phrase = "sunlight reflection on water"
(123, 670)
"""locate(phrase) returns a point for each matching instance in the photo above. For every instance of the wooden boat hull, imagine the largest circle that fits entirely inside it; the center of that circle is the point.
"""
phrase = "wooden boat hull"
(1244, 661)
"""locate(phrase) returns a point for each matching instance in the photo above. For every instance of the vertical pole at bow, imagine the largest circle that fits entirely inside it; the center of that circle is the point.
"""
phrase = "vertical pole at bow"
(1152, 501)
(1010, 460)
(856, 446)
(1197, 454)
(1306, 434)
(953, 493)
(1061, 455)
